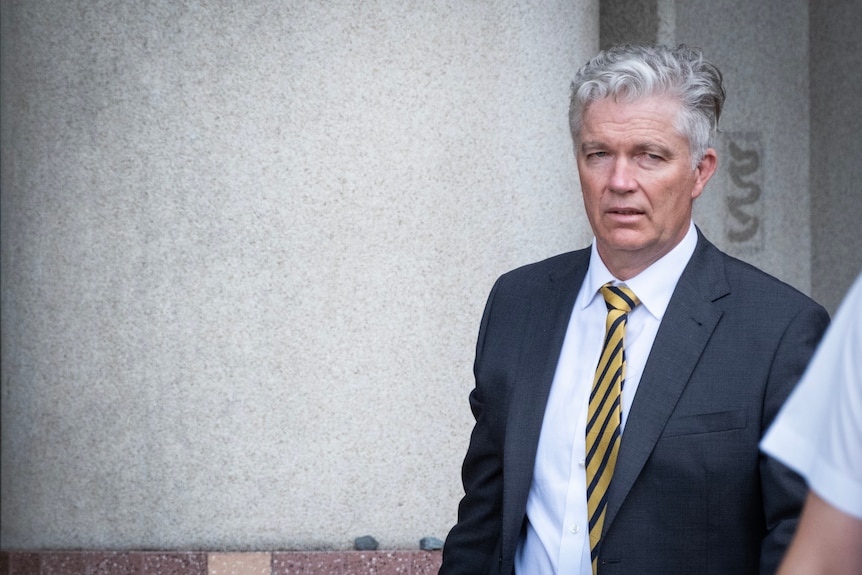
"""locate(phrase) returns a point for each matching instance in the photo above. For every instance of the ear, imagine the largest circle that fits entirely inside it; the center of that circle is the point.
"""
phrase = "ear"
(704, 171)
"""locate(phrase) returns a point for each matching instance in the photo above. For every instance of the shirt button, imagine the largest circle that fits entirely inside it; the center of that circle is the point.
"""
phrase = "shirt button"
(582, 462)
(575, 529)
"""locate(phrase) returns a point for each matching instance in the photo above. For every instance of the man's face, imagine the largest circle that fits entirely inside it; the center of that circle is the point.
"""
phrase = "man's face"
(637, 180)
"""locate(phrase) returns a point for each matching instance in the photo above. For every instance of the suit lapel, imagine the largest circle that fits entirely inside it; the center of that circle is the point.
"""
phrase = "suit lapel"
(684, 332)
(550, 310)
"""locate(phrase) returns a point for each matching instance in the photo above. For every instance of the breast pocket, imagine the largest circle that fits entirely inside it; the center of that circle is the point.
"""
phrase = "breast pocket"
(705, 423)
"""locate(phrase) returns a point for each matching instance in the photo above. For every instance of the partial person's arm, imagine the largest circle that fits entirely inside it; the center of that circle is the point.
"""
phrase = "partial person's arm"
(828, 542)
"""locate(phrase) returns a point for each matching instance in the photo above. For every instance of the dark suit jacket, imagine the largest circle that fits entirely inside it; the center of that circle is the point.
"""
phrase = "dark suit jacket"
(691, 492)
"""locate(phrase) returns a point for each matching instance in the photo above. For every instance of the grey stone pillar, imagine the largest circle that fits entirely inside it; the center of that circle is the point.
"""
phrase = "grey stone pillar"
(245, 250)
(836, 148)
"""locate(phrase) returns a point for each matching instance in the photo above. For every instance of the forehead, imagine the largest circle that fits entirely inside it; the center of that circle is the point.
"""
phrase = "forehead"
(655, 115)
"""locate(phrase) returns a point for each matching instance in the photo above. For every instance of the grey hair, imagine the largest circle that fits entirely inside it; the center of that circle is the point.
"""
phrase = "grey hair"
(631, 72)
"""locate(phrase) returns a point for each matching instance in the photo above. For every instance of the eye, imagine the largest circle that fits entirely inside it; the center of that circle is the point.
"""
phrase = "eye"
(651, 158)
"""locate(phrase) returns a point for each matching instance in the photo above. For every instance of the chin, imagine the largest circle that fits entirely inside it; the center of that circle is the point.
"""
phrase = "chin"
(626, 241)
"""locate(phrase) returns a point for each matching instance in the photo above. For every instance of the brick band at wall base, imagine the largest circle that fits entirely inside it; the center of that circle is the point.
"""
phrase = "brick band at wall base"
(205, 563)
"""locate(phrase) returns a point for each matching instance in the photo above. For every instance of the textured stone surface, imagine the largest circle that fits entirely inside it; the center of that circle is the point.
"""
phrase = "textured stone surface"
(108, 563)
(63, 563)
(431, 544)
(365, 543)
(115, 563)
(243, 242)
(378, 563)
(249, 563)
(836, 146)
(239, 564)
(174, 564)
(309, 563)
(22, 563)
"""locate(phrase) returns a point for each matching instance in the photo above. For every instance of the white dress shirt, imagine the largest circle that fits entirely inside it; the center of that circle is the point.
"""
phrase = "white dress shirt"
(557, 535)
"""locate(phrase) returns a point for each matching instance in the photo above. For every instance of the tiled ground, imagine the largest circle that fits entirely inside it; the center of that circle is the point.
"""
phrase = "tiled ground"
(193, 563)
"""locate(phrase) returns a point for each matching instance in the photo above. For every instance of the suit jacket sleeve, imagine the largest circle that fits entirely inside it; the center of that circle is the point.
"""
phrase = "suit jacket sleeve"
(783, 491)
(472, 545)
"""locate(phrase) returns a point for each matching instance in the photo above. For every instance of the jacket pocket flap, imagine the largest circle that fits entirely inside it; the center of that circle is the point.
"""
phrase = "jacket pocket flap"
(705, 423)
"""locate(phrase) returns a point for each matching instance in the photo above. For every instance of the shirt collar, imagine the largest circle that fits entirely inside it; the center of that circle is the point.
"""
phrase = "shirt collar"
(654, 286)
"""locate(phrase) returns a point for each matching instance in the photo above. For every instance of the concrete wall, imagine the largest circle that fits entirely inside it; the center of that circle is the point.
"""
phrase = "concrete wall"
(836, 147)
(245, 247)
(758, 207)
(245, 250)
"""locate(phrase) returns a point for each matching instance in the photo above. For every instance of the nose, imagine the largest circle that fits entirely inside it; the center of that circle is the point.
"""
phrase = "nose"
(622, 176)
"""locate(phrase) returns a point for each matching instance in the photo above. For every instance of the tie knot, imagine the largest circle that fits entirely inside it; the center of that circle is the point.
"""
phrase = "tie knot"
(619, 298)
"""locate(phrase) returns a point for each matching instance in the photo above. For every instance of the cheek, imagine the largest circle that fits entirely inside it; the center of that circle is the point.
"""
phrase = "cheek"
(674, 206)
(592, 180)
(586, 188)
(592, 202)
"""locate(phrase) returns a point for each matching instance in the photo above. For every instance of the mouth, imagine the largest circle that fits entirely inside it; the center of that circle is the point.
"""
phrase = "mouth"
(625, 212)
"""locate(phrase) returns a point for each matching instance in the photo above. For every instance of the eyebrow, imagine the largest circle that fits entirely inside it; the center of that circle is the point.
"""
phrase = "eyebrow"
(590, 145)
(662, 150)
(640, 147)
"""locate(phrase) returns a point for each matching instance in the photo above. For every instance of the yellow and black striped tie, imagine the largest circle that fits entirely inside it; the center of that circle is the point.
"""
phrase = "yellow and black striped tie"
(603, 423)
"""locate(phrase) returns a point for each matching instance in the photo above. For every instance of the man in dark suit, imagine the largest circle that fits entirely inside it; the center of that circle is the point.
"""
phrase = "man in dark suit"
(622, 390)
